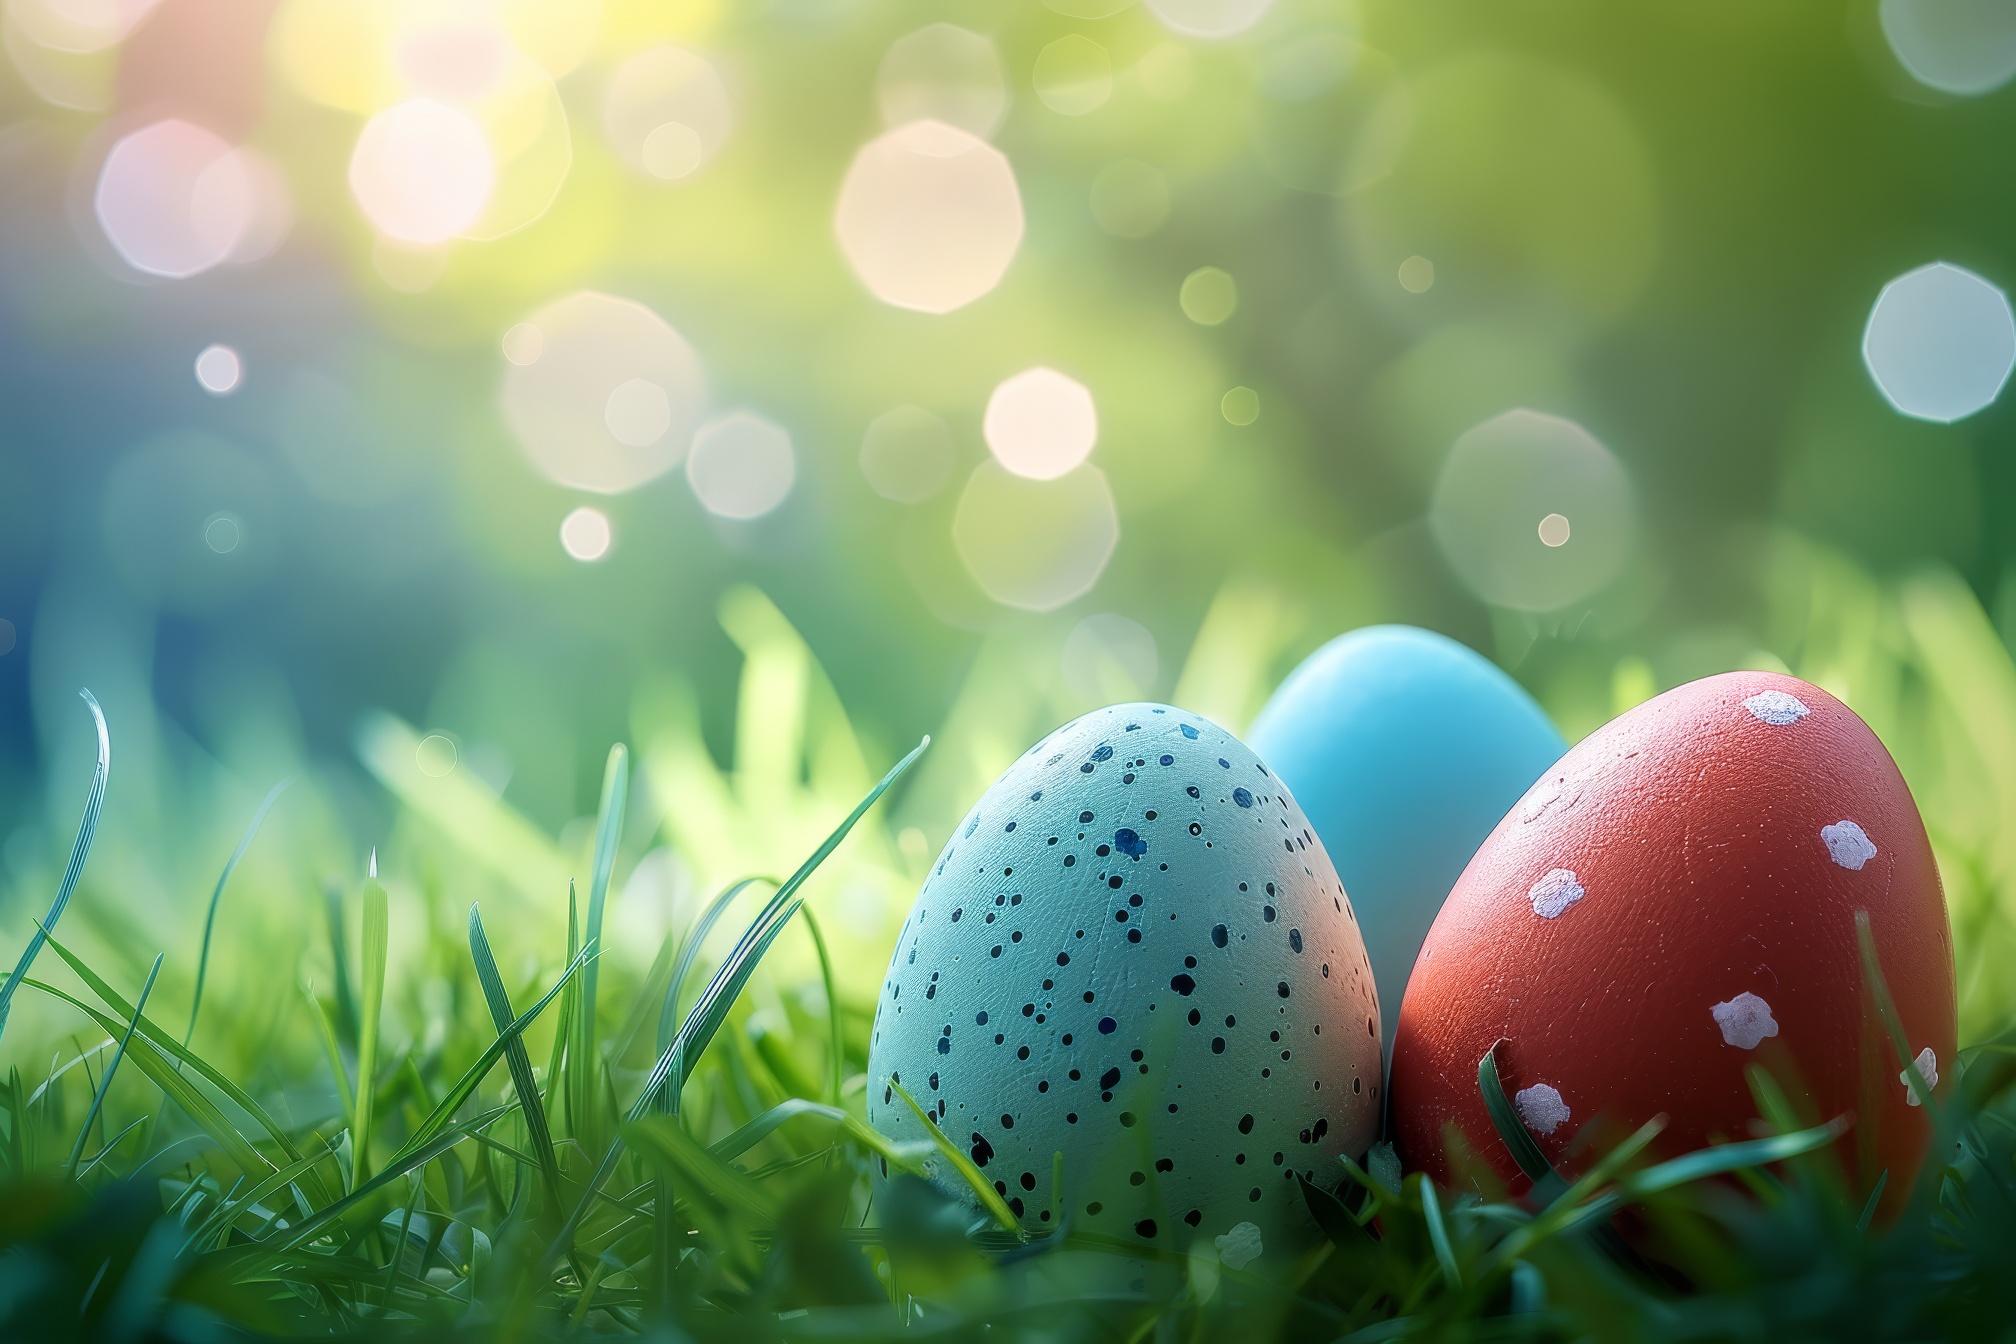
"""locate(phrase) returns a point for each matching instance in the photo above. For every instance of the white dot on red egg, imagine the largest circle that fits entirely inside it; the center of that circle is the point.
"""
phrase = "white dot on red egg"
(1556, 890)
(1745, 1020)
(1927, 1068)
(1848, 844)
(1541, 1107)
(1776, 708)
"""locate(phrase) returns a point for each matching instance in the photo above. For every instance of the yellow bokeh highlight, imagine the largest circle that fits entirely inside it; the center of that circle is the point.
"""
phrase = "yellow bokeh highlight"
(337, 52)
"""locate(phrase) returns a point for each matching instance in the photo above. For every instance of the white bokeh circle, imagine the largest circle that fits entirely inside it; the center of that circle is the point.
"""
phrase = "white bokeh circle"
(1209, 18)
(1940, 342)
(422, 172)
(1035, 545)
(1532, 512)
(175, 199)
(571, 400)
(1964, 47)
(741, 466)
(946, 73)
(667, 112)
(929, 217)
(1040, 423)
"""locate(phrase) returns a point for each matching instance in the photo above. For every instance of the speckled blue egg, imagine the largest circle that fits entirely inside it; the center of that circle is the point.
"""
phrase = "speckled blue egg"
(1406, 748)
(1135, 952)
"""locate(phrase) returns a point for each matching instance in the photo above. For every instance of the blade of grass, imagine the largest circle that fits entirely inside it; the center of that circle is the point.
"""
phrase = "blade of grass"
(1886, 1007)
(407, 1159)
(1875, 1198)
(232, 1210)
(516, 1057)
(168, 1045)
(217, 896)
(608, 835)
(105, 1083)
(660, 1139)
(445, 1109)
(668, 1014)
(563, 1029)
(1512, 1130)
(346, 1096)
(1438, 1234)
(726, 985)
(94, 802)
(399, 1246)
(983, 1189)
(1728, 1157)
(377, 934)
(838, 1046)
(112, 1143)
(156, 1065)
(339, 956)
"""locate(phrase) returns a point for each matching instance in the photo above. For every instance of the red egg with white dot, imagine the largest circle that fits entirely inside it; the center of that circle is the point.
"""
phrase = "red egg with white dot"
(1673, 902)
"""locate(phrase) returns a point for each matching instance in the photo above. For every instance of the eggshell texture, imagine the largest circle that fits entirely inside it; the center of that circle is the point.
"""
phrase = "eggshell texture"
(1405, 748)
(1134, 951)
(1676, 900)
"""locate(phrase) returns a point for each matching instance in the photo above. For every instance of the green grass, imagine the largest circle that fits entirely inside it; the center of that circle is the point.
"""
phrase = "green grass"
(493, 1123)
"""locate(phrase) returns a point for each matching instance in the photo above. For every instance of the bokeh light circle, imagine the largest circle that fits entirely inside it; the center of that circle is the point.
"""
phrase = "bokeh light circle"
(638, 413)
(1940, 342)
(943, 73)
(1209, 18)
(585, 534)
(1240, 406)
(1041, 424)
(77, 27)
(1031, 544)
(1501, 487)
(561, 402)
(524, 343)
(422, 172)
(929, 217)
(218, 370)
(221, 533)
(1073, 75)
(435, 755)
(667, 112)
(906, 455)
(1209, 296)
(741, 466)
(1964, 47)
(175, 199)
(1109, 659)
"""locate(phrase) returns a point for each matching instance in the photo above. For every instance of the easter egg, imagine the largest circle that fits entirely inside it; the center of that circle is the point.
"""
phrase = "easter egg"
(1134, 952)
(1673, 902)
(1404, 748)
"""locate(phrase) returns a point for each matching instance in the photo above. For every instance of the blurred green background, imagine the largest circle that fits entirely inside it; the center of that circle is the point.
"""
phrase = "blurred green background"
(1292, 253)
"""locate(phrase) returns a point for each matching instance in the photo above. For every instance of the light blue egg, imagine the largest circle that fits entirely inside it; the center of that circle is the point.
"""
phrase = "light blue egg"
(1404, 749)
